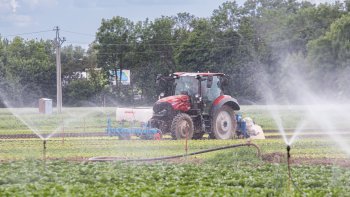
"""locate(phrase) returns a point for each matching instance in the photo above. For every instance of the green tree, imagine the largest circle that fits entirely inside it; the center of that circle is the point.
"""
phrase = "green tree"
(194, 53)
(29, 71)
(114, 41)
(154, 54)
(330, 59)
(89, 90)
(333, 49)
(73, 61)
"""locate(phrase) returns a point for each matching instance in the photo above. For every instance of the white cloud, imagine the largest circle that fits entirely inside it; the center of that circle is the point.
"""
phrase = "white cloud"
(14, 5)
(19, 12)
(33, 4)
(8, 6)
(17, 20)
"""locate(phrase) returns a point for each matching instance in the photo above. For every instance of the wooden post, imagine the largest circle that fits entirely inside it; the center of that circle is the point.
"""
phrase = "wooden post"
(186, 141)
(84, 125)
(63, 134)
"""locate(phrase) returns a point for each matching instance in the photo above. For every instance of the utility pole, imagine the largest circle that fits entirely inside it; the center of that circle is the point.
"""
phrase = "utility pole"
(57, 43)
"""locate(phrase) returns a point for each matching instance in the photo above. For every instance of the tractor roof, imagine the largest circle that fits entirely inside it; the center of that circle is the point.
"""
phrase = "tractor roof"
(200, 74)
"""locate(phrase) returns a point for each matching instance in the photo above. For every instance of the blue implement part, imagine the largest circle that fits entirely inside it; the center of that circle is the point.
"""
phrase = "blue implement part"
(149, 133)
(241, 126)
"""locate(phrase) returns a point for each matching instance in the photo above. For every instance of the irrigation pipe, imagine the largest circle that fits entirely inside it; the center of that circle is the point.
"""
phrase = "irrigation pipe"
(176, 156)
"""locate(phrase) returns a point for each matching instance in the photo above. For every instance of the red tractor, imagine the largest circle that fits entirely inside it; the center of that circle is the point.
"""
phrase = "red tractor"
(192, 104)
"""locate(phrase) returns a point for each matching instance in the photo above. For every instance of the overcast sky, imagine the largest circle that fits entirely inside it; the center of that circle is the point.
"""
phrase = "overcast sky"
(80, 19)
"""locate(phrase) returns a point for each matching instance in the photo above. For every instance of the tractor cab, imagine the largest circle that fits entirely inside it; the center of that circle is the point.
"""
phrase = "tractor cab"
(194, 102)
(200, 87)
(186, 85)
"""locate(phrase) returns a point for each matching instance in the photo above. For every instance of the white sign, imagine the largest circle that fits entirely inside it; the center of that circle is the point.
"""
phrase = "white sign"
(125, 79)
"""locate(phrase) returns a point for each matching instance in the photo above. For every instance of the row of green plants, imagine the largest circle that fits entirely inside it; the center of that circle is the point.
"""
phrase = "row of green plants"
(86, 147)
(94, 119)
(226, 174)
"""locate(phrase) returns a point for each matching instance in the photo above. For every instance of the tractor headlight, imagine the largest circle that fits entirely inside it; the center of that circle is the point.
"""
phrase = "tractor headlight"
(162, 113)
(198, 98)
(161, 95)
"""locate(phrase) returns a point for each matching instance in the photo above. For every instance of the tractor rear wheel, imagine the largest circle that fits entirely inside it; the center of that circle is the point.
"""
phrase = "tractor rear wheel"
(182, 126)
(224, 123)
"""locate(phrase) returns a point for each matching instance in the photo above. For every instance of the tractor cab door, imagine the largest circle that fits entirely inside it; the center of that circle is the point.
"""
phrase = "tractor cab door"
(211, 90)
(187, 85)
(165, 85)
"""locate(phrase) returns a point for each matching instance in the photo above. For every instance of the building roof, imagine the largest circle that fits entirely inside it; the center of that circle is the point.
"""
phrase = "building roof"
(200, 74)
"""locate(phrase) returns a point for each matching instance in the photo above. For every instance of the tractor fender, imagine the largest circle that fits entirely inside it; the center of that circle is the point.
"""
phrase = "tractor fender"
(224, 100)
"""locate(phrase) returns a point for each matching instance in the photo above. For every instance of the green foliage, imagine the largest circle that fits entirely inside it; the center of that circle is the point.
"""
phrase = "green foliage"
(334, 45)
(84, 90)
(28, 71)
(57, 178)
(245, 42)
(330, 55)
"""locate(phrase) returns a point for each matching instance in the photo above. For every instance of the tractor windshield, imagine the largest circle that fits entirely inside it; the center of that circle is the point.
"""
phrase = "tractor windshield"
(213, 92)
(186, 85)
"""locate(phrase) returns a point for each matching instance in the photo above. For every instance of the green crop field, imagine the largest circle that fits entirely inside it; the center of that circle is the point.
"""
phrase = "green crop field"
(319, 166)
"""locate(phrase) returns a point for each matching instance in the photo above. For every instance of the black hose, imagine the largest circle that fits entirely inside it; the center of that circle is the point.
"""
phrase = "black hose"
(175, 156)
(289, 171)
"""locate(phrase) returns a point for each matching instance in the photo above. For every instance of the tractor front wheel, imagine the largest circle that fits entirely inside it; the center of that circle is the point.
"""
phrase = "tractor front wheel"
(182, 126)
(224, 123)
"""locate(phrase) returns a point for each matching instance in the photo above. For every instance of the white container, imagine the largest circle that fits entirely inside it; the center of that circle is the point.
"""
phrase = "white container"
(134, 114)
(45, 106)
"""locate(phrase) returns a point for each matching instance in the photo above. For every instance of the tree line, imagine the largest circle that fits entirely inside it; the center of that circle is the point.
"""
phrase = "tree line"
(249, 43)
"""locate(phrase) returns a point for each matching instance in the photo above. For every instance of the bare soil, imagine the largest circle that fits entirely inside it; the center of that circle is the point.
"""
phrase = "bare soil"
(278, 157)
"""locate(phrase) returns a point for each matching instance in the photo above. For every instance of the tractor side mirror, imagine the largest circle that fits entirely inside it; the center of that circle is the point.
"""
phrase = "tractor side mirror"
(159, 77)
(209, 81)
(161, 95)
(224, 81)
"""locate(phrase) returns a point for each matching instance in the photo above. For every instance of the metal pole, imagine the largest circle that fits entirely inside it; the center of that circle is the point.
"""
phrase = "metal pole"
(58, 72)
(58, 42)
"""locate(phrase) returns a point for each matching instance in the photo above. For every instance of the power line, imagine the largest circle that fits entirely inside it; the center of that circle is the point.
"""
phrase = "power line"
(28, 33)
(171, 43)
(78, 33)
(161, 51)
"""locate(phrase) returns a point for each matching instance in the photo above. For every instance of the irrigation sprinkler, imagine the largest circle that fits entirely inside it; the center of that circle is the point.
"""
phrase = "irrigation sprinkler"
(44, 150)
(288, 153)
(289, 170)
(186, 142)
